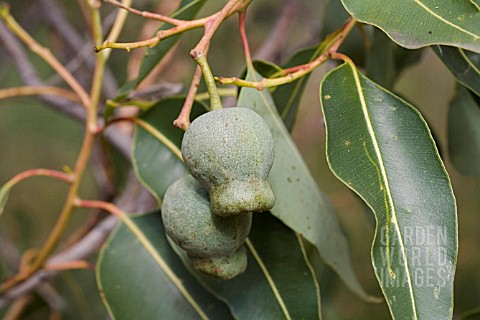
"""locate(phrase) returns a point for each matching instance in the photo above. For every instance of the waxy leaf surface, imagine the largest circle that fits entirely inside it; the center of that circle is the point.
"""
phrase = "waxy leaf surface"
(418, 23)
(381, 148)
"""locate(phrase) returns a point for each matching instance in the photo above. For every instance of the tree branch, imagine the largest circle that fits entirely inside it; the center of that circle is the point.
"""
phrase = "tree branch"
(29, 76)
(134, 199)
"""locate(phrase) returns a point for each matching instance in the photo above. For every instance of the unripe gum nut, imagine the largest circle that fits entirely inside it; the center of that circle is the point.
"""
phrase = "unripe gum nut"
(230, 152)
(222, 267)
(190, 223)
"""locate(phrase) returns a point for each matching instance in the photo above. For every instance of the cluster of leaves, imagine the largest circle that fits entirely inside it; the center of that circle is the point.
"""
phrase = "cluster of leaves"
(377, 144)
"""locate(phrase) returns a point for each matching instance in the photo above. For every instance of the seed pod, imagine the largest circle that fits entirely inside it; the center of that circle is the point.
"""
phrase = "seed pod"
(190, 224)
(222, 267)
(230, 152)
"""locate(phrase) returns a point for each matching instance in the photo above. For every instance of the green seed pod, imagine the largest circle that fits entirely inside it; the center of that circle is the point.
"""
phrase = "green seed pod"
(222, 267)
(230, 151)
(190, 224)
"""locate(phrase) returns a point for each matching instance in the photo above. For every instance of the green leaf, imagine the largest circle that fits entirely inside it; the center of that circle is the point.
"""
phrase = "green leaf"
(464, 133)
(155, 164)
(278, 276)
(386, 59)
(418, 23)
(463, 64)
(381, 148)
(140, 277)
(299, 202)
(187, 10)
(79, 298)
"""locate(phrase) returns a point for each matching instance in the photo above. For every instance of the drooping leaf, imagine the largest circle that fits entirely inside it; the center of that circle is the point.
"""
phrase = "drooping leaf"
(299, 202)
(386, 59)
(463, 64)
(155, 164)
(381, 148)
(140, 277)
(464, 132)
(279, 282)
(418, 23)
(187, 10)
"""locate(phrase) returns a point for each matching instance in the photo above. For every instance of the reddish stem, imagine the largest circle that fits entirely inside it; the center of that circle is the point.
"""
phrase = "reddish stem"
(40, 172)
(183, 120)
(243, 34)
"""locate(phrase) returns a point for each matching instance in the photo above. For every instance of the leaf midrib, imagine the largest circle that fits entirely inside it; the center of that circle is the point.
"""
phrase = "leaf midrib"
(385, 181)
(439, 17)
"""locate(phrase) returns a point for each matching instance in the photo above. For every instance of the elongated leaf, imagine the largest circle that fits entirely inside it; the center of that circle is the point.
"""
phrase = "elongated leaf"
(463, 64)
(187, 10)
(132, 275)
(154, 162)
(279, 283)
(418, 23)
(464, 133)
(381, 147)
(299, 202)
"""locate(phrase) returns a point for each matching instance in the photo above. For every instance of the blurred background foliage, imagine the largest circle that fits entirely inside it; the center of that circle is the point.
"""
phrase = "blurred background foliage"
(32, 136)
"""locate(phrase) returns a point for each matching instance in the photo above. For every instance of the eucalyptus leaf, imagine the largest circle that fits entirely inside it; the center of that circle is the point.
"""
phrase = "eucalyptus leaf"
(380, 147)
(464, 133)
(78, 301)
(140, 277)
(187, 10)
(463, 64)
(299, 202)
(156, 166)
(279, 282)
(418, 23)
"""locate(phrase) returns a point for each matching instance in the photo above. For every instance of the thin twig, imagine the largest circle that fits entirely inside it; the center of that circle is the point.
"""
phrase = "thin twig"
(183, 25)
(18, 307)
(56, 18)
(183, 119)
(243, 35)
(146, 14)
(37, 173)
(70, 265)
(210, 28)
(297, 72)
(134, 199)
(45, 54)
(159, 36)
(32, 91)
(29, 75)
